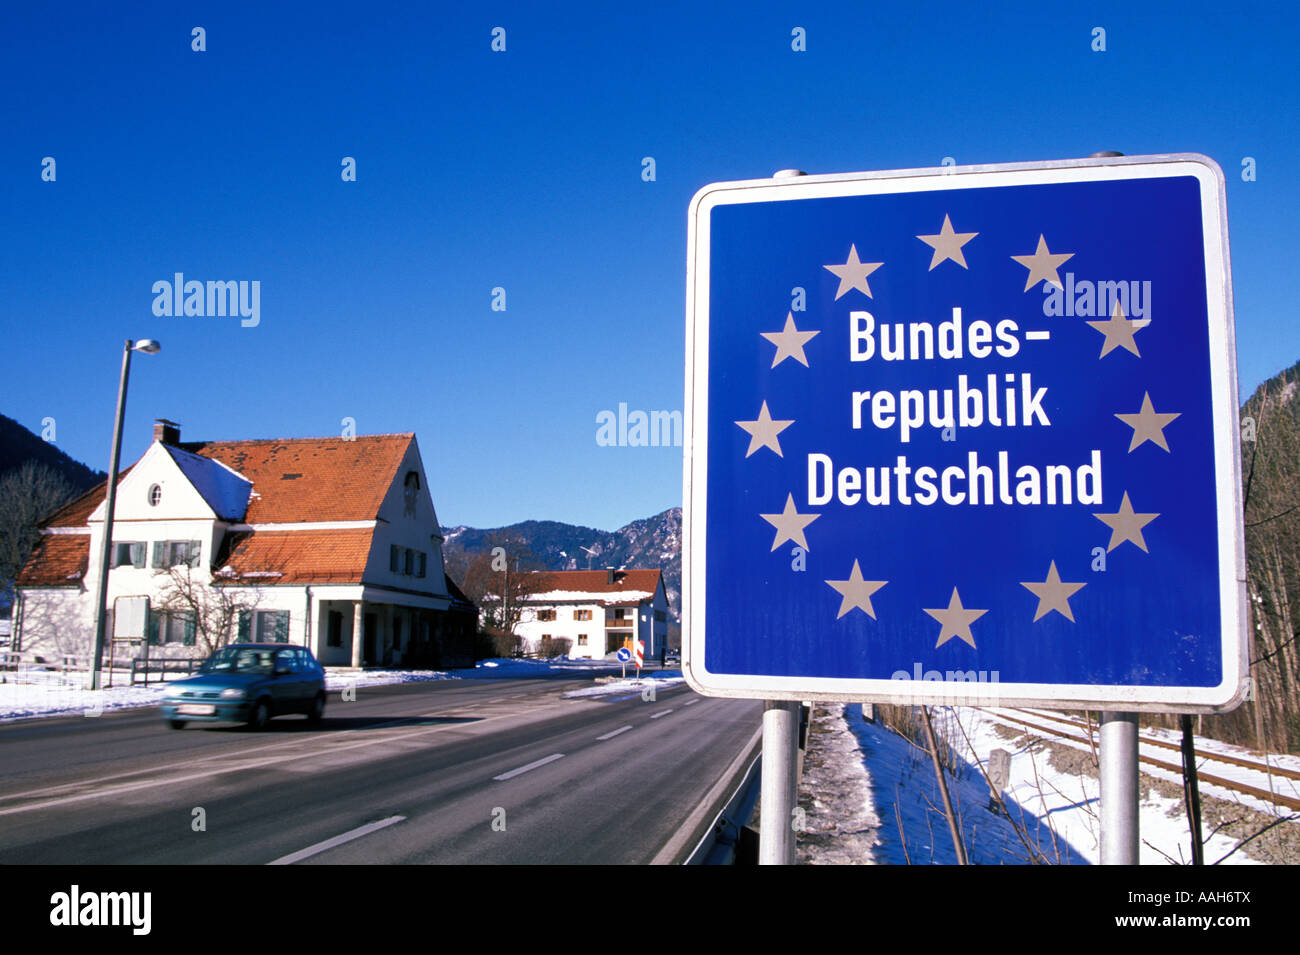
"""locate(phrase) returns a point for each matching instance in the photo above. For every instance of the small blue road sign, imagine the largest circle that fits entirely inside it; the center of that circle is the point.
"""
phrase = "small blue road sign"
(624, 655)
(965, 434)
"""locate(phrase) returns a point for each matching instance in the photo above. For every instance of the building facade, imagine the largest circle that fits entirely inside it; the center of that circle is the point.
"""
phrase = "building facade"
(598, 611)
(328, 543)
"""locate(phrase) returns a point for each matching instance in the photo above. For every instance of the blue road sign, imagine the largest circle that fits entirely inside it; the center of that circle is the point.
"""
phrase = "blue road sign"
(965, 434)
(624, 654)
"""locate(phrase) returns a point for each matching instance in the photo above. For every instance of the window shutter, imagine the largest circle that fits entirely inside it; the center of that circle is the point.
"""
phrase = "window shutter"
(137, 555)
(159, 553)
(188, 638)
(244, 621)
(392, 557)
(420, 564)
(196, 547)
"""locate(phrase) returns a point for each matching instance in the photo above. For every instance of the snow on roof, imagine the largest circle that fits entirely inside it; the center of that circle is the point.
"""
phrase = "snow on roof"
(558, 596)
(225, 490)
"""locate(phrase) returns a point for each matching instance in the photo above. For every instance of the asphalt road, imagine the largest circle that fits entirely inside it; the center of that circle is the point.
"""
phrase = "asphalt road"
(467, 771)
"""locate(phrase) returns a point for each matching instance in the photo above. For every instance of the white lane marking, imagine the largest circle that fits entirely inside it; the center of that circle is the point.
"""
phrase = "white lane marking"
(655, 716)
(239, 765)
(533, 765)
(348, 836)
(621, 729)
(1039, 336)
(691, 702)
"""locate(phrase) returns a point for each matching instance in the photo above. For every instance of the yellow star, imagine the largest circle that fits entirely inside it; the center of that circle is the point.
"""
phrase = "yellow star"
(1125, 525)
(763, 431)
(947, 244)
(1043, 265)
(1052, 594)
(856, 592)
(853, 274)
(789, 342)
(1119, 332)
(955, 621)
(1147, 425)
(790, 524)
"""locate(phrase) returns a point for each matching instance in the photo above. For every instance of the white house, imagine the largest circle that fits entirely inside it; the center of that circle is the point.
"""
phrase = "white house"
(596, 610)
(331, 543)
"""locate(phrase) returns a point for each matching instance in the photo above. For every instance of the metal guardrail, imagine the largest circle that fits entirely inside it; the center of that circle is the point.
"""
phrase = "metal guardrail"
(145, 667)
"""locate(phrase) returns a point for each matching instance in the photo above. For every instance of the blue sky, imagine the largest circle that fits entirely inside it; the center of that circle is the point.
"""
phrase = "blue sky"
(523, 170)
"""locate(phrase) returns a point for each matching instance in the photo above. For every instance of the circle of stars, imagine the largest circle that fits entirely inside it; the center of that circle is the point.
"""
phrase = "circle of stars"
(1052, 593)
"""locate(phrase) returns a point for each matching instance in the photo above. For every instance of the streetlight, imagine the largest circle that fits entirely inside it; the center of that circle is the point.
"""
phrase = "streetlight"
(149, 347)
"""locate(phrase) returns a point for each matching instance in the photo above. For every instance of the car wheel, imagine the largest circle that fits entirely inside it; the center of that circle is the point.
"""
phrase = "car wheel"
(317, 711)
(176, 724)
(261, 713)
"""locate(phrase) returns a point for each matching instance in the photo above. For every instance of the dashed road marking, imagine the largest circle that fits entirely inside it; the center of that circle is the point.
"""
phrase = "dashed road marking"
(533, 765)
(338, 840)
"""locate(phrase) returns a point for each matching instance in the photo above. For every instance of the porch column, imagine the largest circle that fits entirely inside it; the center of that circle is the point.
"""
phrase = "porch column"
(356, 633)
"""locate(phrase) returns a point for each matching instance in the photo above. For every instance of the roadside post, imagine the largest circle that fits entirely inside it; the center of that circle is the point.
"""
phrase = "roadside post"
(965, 436)
(624, 654)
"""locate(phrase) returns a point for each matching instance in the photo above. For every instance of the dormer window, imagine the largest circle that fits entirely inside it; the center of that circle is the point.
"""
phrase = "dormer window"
(155, 495)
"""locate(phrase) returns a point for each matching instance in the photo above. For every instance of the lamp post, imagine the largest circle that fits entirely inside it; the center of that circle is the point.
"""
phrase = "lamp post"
(149, 347)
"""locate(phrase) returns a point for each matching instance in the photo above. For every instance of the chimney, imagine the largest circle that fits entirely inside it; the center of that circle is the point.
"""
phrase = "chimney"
(610, 574)
(168, 432)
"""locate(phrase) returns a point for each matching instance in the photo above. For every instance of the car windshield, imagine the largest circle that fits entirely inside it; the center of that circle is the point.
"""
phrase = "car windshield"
(239, 660)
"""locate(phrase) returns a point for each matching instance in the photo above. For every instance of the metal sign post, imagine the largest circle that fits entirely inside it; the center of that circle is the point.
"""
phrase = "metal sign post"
(1119, 788)
(966, 435)
(779, 785)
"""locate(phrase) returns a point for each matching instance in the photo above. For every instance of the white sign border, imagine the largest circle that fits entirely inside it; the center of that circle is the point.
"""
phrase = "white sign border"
(1235, 638)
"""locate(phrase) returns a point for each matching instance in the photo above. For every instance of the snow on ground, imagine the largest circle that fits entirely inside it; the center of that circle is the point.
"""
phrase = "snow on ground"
(39, 692)
(887, 784)
(651, 680)
(1206, 749)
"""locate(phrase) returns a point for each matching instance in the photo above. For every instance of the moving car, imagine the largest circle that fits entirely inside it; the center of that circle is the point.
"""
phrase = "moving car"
(248, 683)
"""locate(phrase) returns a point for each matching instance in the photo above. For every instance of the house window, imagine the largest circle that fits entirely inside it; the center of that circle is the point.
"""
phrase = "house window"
(264, 626)
(155, 495)
(660, 616)
(335, 638)
(171, 553)
(582, 615)
(171, 627)
(421, 560)
(582, 639)
(411, 493)
(620, 613)
(128, 553)
(408, 561)
(546, 615)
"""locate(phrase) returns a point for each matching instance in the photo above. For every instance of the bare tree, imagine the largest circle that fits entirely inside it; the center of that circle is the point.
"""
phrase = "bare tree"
(28, 495)
(501, 580)
(214, 610)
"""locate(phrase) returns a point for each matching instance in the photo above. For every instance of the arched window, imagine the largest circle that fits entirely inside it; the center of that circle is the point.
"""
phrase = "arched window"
(411, 494)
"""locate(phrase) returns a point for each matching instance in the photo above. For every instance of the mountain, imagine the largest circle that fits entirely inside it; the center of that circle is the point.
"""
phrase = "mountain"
(18, 446)
(647, 543)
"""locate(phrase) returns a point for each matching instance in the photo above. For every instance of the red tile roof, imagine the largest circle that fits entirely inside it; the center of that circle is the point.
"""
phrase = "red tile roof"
(59, 560)
(312, 479)
(294, 479)
(298, 557)
(76, 513)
